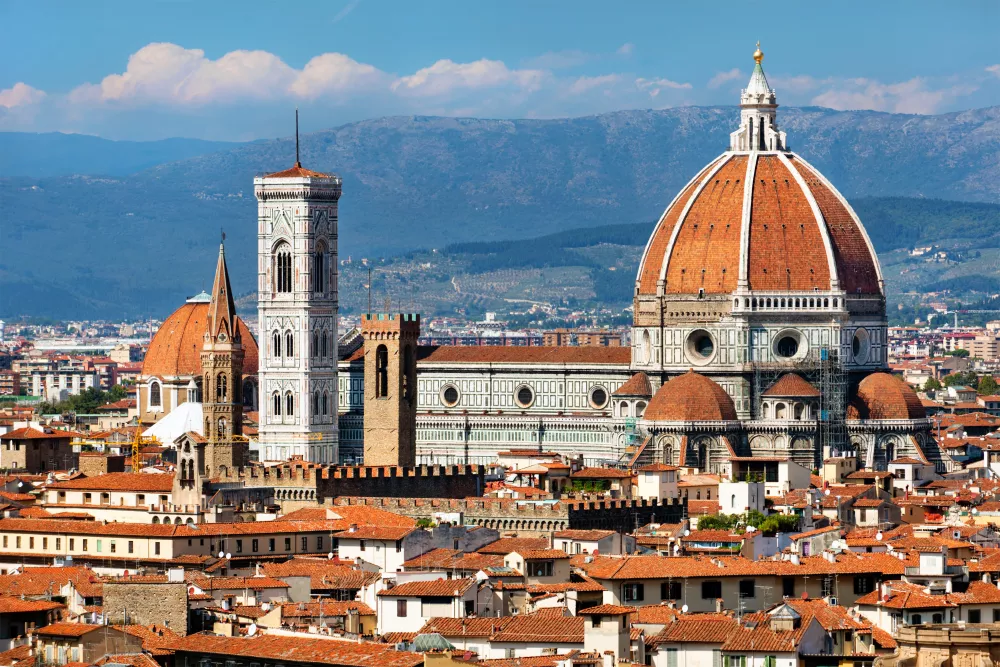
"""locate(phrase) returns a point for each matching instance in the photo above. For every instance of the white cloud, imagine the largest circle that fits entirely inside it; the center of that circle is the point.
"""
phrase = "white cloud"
(655, 86)
(20, 95)
(626, 49)
(586, 84)
(913, 96)
(348, 8)
(723, 77)
(994, 69)
(336, 73)
(447, 76)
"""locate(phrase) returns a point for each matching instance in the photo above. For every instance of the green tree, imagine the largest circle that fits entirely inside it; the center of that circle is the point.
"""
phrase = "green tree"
(987, 385)
(957, 379)
(957, 353)
(932, 384)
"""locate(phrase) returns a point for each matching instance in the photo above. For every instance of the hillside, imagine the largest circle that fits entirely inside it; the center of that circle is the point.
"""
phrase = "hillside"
(139, 243)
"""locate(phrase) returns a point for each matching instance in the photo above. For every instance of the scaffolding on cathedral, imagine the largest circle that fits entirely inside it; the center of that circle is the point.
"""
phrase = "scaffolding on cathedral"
(823, 368)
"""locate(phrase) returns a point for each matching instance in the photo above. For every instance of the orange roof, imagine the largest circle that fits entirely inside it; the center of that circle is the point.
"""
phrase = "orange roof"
(525, 355)
(607, 610)
(601, 473)
(542, 629)
(436, 588)
(792, 384)
(637, 385)
(66, 629)
(885, 396)
(120, 481)
(299, 649)
(28, 433)
(699, 241)
(298, 171)
(691, 397)
(176, 347)
(506, 545)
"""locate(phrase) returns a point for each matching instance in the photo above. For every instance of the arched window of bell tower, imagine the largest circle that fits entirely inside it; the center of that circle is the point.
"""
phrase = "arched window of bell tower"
(221, 392)
(283, 268)
(319, 268)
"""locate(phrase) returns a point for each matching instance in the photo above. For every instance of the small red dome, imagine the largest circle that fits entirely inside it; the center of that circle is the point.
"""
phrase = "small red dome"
(691, 397)
(885, 396)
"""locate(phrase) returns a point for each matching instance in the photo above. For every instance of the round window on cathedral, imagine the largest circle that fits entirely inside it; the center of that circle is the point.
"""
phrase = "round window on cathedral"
(700, 347)
(524, 396)
(598, 397)
(861, 346)
(450, 395)
(789, 344)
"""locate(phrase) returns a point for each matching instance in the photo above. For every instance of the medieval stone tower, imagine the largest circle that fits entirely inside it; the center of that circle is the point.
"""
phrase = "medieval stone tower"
(222, 373)
(297, 313)
(390, 433)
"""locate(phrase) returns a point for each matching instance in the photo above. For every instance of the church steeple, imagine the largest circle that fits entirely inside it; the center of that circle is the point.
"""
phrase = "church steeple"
(758, 106)
(222, 309)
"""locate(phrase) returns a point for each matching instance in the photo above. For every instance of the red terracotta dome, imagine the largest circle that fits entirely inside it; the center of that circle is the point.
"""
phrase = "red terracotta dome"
(885, 396)
(176, 347)
(767, 218)
(691, 397)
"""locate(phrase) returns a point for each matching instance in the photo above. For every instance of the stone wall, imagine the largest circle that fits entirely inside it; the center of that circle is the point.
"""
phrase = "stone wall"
(512, 516)
(147, 603)
(93, 464)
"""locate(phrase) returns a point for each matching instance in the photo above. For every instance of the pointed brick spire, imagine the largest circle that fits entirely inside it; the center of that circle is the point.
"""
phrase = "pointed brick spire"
(222, 309)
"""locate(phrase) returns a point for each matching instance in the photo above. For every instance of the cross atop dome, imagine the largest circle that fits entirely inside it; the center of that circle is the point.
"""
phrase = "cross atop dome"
(758, 103)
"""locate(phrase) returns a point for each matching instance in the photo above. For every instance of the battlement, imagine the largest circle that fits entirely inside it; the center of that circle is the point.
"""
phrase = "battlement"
(403, 324)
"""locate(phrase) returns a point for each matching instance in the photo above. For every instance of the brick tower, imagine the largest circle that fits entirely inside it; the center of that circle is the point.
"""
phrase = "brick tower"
(390, 388)
(222, 372)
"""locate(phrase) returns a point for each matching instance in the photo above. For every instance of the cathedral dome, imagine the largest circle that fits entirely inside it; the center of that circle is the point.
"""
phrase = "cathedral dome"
(691, 397)
(760, 218)
(176, 348)
(885, 396)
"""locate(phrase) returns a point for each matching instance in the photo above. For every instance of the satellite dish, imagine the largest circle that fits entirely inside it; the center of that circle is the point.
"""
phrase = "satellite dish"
(329, 556)
(686, 532)
(229, 556)
(252, 630)
(878, 536)
(750, 529)
(20, 484)
(826, 492)
(222, 554)
(975, 510)
(684, 609)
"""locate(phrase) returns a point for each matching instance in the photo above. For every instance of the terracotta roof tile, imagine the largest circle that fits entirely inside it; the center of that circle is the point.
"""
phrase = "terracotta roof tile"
(637, 385)
(792, 385)
(436, 588)
(299, 649)
(176, 346)
(691, 397)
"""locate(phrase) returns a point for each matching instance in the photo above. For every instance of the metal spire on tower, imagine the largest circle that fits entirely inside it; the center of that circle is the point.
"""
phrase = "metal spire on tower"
(297, 163)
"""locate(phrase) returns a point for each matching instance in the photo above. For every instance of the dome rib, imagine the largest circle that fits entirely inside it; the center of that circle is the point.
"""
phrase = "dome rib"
(662, 236)
(705, 250)
(691, 397)
(824, 229)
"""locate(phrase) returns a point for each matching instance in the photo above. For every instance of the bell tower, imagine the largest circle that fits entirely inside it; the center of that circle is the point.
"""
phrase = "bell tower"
(390, 434)
(222, 375)
(297, 312)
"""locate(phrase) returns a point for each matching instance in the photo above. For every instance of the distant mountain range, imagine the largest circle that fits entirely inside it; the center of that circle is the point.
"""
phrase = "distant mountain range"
(99, 235)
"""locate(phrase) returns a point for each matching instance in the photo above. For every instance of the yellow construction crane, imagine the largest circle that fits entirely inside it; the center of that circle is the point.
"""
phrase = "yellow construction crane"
(137, 443)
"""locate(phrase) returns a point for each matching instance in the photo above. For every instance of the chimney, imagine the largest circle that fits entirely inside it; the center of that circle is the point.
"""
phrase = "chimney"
(720, 605)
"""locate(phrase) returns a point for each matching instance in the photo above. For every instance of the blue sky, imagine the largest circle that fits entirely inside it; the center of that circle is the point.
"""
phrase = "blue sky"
(234, 70)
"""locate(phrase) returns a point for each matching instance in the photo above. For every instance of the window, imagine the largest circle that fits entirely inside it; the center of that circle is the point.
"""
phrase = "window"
(323, 348)
(863, 584)
(276, 404)
(45, 544)
(72, 543)
(253, 545)
(289, 404)
(221, 389)
(31, 542)
(770, 661)
(747, 588)
(711, 590)
(975, 616)
(131, 545)
(156, 548)
(400, 608)
(289, 344)
(315, 403)
(633, 592)
(288, 544)
(324, 402)
(239, 546)
(788, 587)
(381, 371)
(155, 400)
(17, 540)
(524, 396)
(595, 621)
(276, 345)
(361, 545)
(283, 268)
(319, 269)
(85, 545)
(826, 586)
(996, 615)
(937, 618)
(399, 545)
(270, 544)
(915, 619)
(671, 657)
(670, 590)
(319, 542)
(540, 568)
(305, 543)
